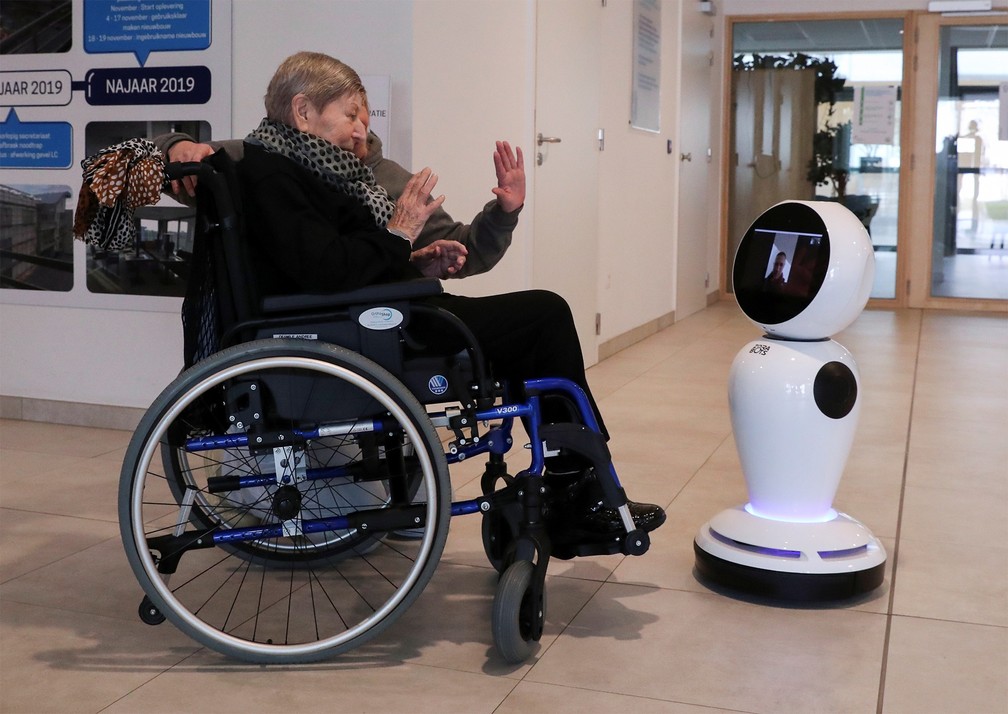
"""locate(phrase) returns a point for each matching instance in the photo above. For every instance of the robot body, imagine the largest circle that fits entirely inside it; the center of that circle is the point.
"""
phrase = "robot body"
(803, 271)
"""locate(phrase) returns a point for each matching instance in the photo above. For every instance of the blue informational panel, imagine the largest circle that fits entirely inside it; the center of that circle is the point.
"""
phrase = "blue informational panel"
(36, 144)
(81, 75)
(147, 26)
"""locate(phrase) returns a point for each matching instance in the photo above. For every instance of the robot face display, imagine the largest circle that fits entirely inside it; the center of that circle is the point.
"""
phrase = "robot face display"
(804, 269)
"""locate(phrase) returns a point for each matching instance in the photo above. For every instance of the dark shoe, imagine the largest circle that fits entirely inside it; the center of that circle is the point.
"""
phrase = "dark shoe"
(605, 521)
(574, 492)
(581, 522)
(646, 516)
(581, 529)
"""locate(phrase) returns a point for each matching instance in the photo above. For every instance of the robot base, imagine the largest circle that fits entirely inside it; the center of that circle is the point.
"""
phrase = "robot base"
(828, 560)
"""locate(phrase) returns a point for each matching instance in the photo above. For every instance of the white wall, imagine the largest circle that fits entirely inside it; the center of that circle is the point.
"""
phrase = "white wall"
(375, 37)
(637, 176)
(112, 357)
(474, 67)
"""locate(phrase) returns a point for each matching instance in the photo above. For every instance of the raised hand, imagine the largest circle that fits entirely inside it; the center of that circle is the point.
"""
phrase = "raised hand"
(510, 167)
(415, 205)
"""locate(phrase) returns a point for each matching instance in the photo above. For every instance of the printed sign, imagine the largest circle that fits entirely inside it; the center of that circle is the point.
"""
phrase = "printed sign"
(108, 71)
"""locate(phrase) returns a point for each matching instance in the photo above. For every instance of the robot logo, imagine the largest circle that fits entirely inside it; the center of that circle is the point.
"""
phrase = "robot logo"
(760, 349)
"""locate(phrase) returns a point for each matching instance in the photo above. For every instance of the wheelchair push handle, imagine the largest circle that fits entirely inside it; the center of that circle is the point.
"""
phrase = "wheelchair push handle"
(210, 179)
(175, 170)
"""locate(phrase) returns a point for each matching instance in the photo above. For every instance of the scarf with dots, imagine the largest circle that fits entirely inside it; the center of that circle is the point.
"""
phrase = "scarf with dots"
(329, 163)
(117, 181)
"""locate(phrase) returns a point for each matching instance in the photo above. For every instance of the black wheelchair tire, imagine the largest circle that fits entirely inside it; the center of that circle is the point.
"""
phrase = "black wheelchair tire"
(512, 608)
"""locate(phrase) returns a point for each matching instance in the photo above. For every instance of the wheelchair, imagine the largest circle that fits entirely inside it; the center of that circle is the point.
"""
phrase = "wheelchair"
(265, 494)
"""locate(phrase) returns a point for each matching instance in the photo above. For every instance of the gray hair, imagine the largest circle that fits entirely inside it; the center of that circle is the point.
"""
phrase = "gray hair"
(318, 76)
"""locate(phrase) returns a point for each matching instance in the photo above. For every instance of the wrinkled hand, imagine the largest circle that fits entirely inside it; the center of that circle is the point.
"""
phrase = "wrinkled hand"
(415, 205)
(510, 190)
(440, 259)
(182, 152)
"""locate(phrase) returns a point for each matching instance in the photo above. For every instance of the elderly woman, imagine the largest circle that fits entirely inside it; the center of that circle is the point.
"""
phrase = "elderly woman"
(318, 222)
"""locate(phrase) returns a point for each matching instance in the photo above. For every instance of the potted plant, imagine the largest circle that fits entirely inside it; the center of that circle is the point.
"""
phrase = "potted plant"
(825, 167)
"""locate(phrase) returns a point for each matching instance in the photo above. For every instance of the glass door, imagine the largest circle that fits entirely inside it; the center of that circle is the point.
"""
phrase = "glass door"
(962, 145)
(816, 115)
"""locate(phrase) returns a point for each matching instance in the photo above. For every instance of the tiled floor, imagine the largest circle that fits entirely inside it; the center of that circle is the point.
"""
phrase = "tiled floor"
(928, 474)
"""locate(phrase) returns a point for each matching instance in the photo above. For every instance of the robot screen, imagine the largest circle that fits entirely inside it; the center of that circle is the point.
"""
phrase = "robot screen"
(780, 267)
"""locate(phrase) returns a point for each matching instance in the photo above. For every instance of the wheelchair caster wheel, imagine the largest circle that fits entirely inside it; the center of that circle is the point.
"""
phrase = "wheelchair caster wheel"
(149, 612)
(518, 613)
(636, 542)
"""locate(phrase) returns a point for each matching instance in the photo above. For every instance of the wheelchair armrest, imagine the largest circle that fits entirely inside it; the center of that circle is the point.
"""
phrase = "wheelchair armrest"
(369, 295)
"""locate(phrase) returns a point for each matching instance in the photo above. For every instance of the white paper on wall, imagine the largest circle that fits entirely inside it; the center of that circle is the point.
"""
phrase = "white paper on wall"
(874, 118)
(645, 100)
(379, 90)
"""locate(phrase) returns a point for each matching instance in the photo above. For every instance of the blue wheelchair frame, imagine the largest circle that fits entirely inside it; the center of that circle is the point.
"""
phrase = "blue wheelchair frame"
(496, 441)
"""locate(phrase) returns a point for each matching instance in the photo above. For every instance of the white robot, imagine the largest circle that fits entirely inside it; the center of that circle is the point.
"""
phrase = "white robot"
(802, 272)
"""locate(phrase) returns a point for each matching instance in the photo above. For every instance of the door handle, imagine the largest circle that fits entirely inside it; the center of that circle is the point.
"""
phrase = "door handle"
(540, 139)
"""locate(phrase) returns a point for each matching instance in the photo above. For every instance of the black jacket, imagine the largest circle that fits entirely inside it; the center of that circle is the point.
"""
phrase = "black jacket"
(308, 237)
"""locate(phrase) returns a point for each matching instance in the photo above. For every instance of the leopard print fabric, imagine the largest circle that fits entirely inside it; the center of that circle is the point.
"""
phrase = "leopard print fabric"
(329, 163)
(117, 181)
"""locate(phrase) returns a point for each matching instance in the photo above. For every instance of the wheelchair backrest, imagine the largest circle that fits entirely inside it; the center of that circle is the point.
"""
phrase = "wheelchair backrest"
(224, 305)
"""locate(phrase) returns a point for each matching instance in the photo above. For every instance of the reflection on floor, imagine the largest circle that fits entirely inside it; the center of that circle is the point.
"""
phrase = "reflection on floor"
(980, 275)
(983, 275)
(927, 474)
(884, 286)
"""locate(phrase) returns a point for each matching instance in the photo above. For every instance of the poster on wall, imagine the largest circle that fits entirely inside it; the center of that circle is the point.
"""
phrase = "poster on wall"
(379, 91)
(77, 76)
(645, 97)
(874, 116)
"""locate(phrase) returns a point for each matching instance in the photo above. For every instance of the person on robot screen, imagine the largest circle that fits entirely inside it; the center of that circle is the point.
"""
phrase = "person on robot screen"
(318, 222)
(775, 280)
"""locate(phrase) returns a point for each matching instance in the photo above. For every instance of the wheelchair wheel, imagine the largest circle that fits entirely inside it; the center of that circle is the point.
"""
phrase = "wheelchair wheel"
(518, 615)
(256, 493)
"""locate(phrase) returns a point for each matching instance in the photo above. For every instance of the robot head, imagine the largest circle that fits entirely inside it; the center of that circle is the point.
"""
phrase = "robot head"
(804, 270)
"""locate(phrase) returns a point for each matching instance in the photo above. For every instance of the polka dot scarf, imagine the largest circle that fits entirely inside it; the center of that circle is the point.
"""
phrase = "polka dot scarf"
(117, 181)
(329, 163)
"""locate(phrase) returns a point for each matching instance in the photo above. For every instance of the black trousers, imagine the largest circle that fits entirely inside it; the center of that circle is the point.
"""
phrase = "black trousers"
(524, 335)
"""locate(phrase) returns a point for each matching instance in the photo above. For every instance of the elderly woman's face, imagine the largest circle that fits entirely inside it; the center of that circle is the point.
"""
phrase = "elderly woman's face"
(360, 146)
(338, 122)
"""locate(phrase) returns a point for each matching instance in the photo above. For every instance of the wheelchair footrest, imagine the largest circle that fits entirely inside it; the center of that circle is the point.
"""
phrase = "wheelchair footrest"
(581, 550)
(636, 542)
